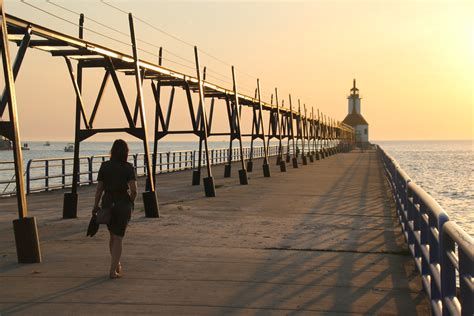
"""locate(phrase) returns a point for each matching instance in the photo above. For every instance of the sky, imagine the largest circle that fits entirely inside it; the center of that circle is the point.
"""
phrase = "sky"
(413, 60)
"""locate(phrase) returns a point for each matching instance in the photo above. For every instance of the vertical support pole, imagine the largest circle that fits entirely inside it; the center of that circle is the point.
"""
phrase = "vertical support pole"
(333, 124)
(326, 136)
(209, 188)
(294, 160)
(280, 150)
(197, 172)
(242, 172)
(287, 123)
(25, 230)
(230, 154)
(309, 133)
(313, 133)
(302, 134)
(150, 200)
(321, 135)
(70, 198)
(315, 136)
(157, 93)
(331, 139)
(272, 130)
(254, 134)
(266, 166)
(252, 137)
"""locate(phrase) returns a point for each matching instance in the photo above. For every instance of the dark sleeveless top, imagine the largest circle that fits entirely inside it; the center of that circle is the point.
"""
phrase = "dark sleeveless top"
(115, 176)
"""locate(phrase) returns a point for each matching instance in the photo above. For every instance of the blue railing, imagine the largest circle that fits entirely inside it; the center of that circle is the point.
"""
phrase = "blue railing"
(443, 252)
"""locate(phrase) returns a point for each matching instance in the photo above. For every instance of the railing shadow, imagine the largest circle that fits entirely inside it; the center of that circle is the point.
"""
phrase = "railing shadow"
(334, 291)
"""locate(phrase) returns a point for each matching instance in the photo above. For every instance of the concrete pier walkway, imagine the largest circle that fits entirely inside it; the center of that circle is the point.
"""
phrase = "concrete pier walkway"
(319, 239)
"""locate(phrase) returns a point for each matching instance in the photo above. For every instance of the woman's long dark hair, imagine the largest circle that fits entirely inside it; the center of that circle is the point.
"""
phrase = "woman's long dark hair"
(119, 151)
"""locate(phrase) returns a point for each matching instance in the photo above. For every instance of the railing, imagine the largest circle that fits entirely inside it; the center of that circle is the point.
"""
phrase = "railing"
(7, 183)
(443, 252)
(56, 173)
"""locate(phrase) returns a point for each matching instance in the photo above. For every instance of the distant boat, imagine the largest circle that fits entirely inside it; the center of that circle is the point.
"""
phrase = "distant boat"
(5, 144)
(25, 147)
(69, 147)
(47, 144)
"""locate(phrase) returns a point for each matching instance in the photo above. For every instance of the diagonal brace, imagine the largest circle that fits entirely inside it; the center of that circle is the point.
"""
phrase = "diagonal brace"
(78, 91)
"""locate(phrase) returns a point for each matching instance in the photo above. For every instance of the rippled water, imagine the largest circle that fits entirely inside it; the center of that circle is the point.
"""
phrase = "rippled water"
(444, 169)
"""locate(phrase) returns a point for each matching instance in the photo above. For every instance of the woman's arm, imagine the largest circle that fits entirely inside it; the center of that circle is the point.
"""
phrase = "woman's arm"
(132, 184)
(98, 195)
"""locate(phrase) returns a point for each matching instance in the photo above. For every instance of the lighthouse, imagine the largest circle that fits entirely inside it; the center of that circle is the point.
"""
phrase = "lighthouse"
(355, 119)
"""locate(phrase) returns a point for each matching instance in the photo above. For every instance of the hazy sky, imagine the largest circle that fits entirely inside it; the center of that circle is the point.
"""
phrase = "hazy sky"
(413, 60)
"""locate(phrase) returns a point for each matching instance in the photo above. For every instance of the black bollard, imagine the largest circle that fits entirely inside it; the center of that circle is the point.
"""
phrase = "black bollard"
(70, 205)
(209, 188)
(266, 170)
(227, 171)
(243, 177)
(249, 166)
(196, 177)
(282, 166)
(150, 204)
(27, 241)
(295, 162)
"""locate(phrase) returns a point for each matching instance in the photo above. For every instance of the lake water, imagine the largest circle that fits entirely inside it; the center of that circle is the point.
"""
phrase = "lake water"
(444, 169)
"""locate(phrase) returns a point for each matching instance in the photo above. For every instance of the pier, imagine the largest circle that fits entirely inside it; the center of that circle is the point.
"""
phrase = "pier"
(319, 239)
(233, 231)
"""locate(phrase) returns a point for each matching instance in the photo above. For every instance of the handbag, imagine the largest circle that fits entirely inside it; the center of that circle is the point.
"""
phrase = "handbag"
(103, 215)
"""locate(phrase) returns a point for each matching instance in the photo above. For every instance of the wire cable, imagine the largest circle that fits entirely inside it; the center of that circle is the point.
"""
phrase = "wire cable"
(125, 34)
(99, 33)
(73, 23)
(215, 74)
(175, 38)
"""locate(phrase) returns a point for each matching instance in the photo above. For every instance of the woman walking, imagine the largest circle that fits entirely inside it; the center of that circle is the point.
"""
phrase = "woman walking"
(117, 187)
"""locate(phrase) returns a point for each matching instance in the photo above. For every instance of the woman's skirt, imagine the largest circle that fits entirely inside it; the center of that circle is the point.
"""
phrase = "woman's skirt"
(121, 213)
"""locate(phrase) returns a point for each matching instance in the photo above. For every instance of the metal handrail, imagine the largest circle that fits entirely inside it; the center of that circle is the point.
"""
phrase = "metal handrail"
(443, 251)
(43, 174)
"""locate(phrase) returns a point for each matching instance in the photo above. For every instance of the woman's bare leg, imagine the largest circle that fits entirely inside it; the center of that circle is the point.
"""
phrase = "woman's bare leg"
(116, 253)
(111, 242)
(118, 269)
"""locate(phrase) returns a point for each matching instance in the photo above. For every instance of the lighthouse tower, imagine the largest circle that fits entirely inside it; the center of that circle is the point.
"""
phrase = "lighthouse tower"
(355, 119)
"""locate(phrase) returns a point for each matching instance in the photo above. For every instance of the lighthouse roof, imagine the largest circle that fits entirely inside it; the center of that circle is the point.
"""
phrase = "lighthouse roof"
(355, 119)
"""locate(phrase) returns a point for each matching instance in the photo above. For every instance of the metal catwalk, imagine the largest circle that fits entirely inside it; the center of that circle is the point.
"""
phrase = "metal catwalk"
(309, 135)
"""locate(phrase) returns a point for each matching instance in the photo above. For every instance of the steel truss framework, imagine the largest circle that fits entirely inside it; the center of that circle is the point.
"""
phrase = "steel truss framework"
(316, 134)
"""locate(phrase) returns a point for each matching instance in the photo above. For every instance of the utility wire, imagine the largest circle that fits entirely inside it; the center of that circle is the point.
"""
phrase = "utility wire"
(145, 42)
(124, 34)
(192, 67)
(73, 23)
(99, 33)
(175, 38)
